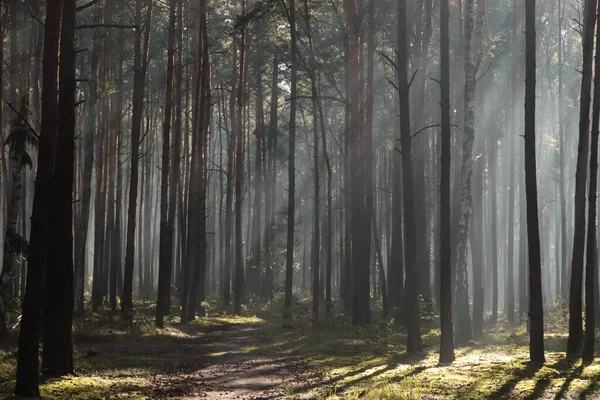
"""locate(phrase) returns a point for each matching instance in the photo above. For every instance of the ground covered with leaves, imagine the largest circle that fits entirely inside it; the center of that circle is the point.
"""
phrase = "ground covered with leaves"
(252, 357)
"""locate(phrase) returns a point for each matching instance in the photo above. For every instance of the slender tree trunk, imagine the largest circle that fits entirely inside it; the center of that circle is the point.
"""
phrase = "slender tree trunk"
(471, 65)
(493, 166)
(229, 259)
(561, 139)
(13, 242)
(447, 335)
(411, 294)
(239, 175)
(289, 265)
(575, 342)
(139, 72)
(271, 176)
(536, 312)
(254, 272)
(166, 226)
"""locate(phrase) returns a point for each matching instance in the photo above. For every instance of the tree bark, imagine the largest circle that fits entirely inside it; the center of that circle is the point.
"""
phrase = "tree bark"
(166, 226)
(447, 335)
(575, 341)
(57, 356)
(536, 312)
(27, 359)
(139, 72)
(411, 294)
(591, 266)
(289, 264)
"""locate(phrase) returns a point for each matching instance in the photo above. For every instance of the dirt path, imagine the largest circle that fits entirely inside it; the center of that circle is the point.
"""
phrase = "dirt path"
(226, 372)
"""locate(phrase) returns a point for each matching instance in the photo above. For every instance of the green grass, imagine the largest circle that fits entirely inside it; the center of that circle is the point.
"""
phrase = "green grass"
(129, 360)
(371, 362)
(121, 360)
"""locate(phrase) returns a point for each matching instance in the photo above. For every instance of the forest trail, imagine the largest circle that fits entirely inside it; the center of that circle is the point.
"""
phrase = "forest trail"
(227, 368)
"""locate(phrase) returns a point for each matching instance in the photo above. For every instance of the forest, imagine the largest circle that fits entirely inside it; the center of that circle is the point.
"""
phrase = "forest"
(272, 199)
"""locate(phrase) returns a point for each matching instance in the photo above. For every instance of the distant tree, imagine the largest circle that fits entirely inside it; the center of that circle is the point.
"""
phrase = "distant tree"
(81, 227)
(239, 173)
(411, 292)
(139, 77)
(289, 264)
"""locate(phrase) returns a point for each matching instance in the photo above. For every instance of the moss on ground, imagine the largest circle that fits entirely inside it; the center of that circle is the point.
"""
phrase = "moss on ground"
(121, 360)
(371, 362)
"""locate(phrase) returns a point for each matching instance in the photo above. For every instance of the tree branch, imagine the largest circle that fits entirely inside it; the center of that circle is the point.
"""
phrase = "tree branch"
(86, 5)
(92, 26)
(24, 119)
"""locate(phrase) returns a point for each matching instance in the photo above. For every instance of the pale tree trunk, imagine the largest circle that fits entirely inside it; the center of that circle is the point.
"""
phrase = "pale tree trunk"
(81, 229)
(13, 242)
(471, 63)
(493, 171)
(561, 138)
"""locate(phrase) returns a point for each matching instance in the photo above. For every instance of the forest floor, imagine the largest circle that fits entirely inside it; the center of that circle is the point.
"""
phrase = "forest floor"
(252, 357)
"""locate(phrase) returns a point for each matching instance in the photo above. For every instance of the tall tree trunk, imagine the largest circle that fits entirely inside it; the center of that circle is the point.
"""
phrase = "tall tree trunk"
(57, 356)
(562, 150)
(536, 312)
(239, 175)
(166, 226)
(139, 72)
(81, 229)
(591, 266)
(411, 294)
(493, 171)
(27, 358)
(255, 265)
(575, 341)
(229, 259)
(271, 176)
(471, 65)
(447, 335)
(289, 264)
(510, 286)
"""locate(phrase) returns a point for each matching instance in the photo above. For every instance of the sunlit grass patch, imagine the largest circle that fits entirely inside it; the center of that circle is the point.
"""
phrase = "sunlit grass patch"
(86, 387)
(77, 387)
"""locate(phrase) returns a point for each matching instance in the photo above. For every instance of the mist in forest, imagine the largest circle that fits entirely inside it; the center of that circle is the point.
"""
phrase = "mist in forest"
(409, 183)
